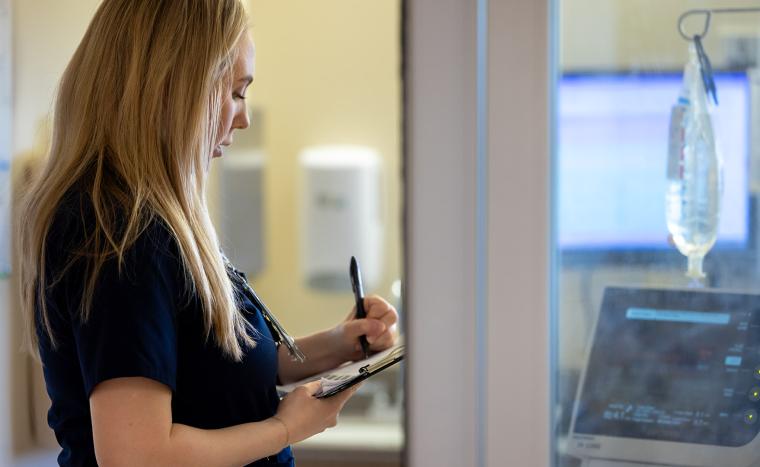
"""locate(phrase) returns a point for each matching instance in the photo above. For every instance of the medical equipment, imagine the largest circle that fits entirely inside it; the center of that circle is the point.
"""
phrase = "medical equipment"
(672, 378)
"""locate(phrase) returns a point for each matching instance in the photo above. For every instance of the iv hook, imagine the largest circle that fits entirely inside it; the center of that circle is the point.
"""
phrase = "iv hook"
(708, 16)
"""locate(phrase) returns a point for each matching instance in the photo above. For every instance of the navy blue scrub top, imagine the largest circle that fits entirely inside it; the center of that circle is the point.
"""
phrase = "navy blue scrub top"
(143, 323)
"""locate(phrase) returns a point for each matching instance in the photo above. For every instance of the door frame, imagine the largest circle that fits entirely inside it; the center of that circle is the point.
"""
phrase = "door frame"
(477, 181)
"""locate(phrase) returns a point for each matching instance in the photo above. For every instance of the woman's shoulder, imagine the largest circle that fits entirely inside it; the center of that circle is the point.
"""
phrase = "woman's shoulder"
(74, 222)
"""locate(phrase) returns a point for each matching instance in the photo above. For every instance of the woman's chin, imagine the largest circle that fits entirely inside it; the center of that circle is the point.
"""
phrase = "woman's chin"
(217, 152)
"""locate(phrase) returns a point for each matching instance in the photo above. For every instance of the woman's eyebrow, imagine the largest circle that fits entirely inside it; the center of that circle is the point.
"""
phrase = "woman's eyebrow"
(248, 79)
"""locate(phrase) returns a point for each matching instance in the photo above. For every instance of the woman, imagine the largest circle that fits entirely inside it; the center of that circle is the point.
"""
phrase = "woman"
(152, 354)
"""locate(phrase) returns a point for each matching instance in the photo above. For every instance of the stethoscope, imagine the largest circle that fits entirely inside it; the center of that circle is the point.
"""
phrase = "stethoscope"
(278, 332)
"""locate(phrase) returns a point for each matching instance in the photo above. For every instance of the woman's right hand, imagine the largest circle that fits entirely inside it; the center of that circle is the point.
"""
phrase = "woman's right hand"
(304, 415)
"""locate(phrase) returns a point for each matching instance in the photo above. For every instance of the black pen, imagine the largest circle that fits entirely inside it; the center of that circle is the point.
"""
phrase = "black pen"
(361, 313)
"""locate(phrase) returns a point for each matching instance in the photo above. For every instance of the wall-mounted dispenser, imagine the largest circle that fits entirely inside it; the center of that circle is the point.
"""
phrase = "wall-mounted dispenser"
(340, 215)
(242, 210)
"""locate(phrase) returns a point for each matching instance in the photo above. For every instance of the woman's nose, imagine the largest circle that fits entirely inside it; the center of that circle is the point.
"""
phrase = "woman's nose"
(242, 119)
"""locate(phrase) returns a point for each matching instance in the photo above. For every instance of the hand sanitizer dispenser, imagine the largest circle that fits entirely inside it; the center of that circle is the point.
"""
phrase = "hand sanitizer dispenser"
(340, 215)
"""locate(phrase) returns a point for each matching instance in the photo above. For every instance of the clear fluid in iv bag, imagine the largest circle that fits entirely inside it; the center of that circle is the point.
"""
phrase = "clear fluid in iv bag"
(693, 202)
(694, 177)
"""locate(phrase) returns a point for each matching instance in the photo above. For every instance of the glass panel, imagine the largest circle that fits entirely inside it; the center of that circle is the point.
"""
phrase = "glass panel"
(653, 365)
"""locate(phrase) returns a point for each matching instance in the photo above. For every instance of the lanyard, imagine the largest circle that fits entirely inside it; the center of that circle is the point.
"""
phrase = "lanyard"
(279, 334)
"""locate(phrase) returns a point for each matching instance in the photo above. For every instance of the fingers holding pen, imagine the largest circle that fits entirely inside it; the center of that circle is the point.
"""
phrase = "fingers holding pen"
(377, 307)
(382, 311)
(379, 327)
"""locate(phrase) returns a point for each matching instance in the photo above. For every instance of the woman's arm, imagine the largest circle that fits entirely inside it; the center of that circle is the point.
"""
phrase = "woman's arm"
(330, 348)
(132, 425)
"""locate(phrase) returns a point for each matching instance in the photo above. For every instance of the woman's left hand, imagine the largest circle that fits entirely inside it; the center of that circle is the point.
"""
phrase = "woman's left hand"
(379, 326)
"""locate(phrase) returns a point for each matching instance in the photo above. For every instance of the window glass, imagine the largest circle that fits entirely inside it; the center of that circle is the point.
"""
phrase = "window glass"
(654, 363)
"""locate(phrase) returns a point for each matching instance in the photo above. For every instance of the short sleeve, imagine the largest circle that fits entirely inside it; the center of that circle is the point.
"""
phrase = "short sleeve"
(131, 330)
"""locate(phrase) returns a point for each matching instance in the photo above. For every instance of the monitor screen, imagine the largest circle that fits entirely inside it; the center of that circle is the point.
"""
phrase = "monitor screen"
(673, 365)
(612, 154)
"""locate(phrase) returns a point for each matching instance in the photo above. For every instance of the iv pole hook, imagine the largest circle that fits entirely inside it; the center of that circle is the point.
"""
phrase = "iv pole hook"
(708, 16)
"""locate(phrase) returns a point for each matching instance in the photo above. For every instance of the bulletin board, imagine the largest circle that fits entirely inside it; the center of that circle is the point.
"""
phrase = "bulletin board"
(5, 137)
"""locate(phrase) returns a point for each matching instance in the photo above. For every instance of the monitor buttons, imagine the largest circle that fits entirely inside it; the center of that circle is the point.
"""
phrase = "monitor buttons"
(757, 372)
(754, 394)
(750, 416)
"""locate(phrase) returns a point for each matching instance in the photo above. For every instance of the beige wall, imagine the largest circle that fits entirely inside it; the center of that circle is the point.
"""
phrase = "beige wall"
(46, 32)
(642, 34)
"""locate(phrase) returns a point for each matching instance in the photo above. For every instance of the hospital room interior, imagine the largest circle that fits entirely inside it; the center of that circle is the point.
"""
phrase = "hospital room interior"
(559, 198)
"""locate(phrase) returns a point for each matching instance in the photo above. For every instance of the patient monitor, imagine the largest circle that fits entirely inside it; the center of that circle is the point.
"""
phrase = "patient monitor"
(672, 378)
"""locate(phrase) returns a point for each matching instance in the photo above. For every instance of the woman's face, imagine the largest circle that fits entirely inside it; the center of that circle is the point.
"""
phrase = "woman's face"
(234, 113)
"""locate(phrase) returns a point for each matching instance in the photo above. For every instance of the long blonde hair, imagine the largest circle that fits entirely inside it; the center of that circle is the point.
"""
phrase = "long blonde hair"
(135, 124)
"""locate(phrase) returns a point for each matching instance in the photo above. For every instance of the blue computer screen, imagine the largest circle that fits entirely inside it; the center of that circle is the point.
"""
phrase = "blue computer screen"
(612, 153)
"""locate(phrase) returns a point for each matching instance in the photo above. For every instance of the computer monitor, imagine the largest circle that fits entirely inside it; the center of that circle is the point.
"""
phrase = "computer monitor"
(672, 378)
(612, 153)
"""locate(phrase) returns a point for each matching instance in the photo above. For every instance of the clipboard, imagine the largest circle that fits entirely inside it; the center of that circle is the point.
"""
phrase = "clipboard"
(339, 379)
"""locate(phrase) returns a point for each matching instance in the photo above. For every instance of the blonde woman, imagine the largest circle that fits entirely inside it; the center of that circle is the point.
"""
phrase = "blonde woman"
(153, 355)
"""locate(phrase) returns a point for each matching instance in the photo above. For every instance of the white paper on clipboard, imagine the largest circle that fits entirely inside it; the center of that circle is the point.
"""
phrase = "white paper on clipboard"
(341, 375)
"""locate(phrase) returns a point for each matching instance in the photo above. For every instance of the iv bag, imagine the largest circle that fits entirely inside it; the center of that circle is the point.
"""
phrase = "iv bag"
(694, 175)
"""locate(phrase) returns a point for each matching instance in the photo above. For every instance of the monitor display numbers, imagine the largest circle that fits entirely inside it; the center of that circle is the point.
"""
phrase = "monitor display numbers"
(674, 366)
